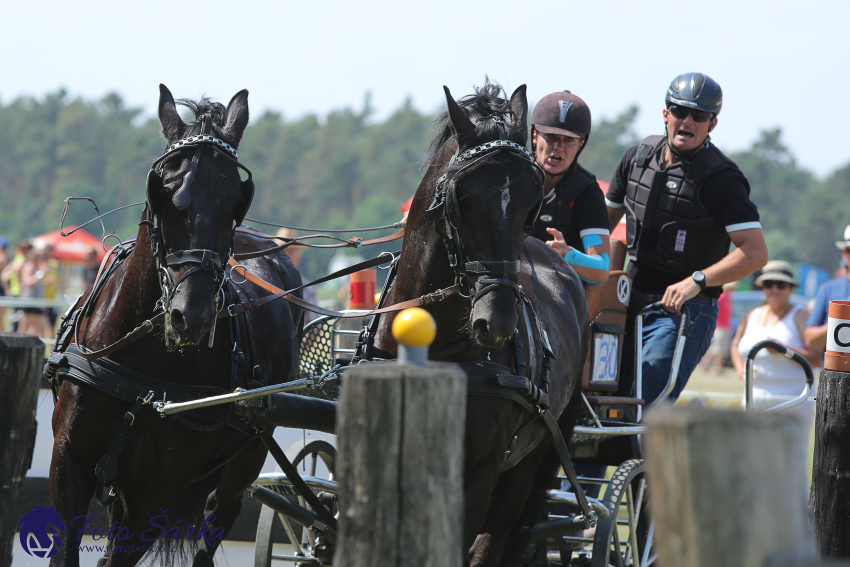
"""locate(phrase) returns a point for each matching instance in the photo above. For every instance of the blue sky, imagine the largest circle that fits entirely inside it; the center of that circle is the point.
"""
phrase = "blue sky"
(780, 63)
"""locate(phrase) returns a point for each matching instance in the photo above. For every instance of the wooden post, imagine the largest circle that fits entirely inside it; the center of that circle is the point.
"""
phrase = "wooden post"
(830, 498)
(21, 362)
(727, 488)
(401, 430)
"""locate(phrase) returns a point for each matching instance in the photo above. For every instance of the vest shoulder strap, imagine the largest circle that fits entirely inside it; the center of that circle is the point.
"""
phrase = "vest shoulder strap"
(574, 184)
(646, 149)
(709, 161)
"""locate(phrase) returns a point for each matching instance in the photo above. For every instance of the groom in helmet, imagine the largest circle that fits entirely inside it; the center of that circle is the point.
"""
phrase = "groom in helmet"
(685, 203)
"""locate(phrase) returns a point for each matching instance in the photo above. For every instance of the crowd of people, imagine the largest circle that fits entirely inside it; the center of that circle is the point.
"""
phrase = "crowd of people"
(29, 272)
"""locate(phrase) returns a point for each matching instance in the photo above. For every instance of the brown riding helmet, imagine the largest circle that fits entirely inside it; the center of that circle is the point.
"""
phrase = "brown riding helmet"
(562, 113)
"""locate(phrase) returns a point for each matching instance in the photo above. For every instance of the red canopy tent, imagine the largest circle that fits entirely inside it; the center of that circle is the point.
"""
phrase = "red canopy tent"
(73, 248)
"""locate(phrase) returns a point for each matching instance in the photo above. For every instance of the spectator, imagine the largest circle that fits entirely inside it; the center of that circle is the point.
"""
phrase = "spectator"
(294, 253)
(51, 283)
(32, 281)
(833, 290)
(775, 376)
(10, 277)
(91, 269)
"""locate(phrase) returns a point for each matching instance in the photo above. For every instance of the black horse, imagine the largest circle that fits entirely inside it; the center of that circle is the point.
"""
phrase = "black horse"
(176, 471)
(468, 224)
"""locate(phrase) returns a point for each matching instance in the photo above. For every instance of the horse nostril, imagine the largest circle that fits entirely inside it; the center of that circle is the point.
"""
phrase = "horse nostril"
(178, 322)
(479, 327)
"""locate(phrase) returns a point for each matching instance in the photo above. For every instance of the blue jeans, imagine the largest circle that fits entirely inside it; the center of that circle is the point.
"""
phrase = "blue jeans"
(660, 329)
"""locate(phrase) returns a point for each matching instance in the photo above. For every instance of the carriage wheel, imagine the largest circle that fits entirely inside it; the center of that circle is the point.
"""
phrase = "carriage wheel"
(624, 539)
(303, 541)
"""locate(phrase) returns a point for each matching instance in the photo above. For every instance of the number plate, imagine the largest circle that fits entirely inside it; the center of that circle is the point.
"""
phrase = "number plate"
(606, 348)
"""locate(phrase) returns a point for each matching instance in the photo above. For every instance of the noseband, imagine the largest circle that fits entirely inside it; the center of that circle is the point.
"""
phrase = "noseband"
(199, 259)
(447, 219)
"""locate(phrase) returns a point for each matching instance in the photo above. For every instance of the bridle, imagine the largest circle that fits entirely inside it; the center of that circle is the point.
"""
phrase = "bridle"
(199, 260)
(490, 274)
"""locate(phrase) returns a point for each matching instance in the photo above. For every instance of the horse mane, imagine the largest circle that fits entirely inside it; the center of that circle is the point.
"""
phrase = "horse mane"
(488, 100)
(204, 105)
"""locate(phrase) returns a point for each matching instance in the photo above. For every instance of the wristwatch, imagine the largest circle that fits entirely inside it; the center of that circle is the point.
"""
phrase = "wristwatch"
(699, 278)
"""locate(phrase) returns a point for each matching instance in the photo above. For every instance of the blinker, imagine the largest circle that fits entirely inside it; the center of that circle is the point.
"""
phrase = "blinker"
(183, 196)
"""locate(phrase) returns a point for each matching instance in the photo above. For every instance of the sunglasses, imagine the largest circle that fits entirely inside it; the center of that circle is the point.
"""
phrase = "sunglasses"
(682, 112)
(779, 285)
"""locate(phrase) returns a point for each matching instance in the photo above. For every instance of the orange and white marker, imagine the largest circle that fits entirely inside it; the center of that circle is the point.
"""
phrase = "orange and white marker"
(837, 356)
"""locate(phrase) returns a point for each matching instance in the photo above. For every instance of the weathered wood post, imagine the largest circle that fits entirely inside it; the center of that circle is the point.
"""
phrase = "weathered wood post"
(830, 497)
(21, 361)
(401, 428)
(727, 488)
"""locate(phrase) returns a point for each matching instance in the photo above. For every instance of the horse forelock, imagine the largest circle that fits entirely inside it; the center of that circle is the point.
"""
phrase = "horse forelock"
(490, 100)
(205, 105)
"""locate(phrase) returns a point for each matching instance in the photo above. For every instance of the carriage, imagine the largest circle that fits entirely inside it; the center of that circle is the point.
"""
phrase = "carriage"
(502, 291)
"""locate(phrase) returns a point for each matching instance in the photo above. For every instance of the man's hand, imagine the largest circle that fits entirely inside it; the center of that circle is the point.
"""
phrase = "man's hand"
(677, 294)
(558, 244)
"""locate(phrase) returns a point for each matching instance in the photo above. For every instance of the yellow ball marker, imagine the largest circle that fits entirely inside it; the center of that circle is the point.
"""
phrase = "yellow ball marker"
(414, 329)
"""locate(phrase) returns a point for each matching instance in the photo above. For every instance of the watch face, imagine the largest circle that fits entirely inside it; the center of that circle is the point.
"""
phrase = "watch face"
(699, 276)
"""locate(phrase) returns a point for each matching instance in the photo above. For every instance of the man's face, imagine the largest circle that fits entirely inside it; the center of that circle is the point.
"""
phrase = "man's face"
(556, 153)
(686, 134)
(845, 254)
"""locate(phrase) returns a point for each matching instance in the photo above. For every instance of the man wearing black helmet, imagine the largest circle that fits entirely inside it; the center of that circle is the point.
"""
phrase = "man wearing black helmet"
(573, 219)
(685, 203)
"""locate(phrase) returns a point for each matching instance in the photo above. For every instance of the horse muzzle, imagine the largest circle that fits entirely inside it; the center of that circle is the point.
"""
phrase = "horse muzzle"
(494, 317)
(190, 320)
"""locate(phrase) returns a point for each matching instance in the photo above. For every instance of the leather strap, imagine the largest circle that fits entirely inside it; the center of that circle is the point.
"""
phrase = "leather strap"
(350, 243)
(277, 293)
(476, 388)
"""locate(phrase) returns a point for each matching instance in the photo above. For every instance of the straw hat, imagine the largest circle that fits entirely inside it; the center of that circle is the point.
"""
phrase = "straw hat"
(777, 271)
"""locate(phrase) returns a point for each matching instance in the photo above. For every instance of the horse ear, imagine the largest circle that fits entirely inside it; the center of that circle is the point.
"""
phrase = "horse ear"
(236, 117)
(519, 107)
(172, 125)
(460, 122)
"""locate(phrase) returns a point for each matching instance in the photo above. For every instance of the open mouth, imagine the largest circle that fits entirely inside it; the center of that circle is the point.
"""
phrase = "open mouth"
(684, 134)
(556, 160)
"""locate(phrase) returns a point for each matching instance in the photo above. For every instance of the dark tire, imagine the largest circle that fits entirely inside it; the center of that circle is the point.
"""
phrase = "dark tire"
(270, 523)
(627, 496)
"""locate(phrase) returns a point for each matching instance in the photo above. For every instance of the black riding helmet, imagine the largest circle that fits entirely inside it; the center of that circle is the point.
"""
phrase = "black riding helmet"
(695, 90)
(565, 114)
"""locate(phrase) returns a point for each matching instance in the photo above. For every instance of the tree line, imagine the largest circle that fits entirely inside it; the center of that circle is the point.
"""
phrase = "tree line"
(343, 170)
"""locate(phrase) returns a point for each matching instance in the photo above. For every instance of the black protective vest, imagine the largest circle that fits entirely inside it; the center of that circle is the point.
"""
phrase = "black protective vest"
(667, 226)
(553, 216)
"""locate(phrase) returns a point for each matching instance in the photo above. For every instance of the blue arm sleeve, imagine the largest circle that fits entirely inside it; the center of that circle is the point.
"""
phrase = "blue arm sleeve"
(594, 262)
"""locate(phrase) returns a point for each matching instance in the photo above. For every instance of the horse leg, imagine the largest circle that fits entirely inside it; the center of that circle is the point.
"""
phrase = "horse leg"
(506, 503)
(225, 502)
(72, 486)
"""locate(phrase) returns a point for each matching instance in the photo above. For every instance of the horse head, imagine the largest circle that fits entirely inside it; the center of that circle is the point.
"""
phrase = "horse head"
(492, 192)
(196, 198)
